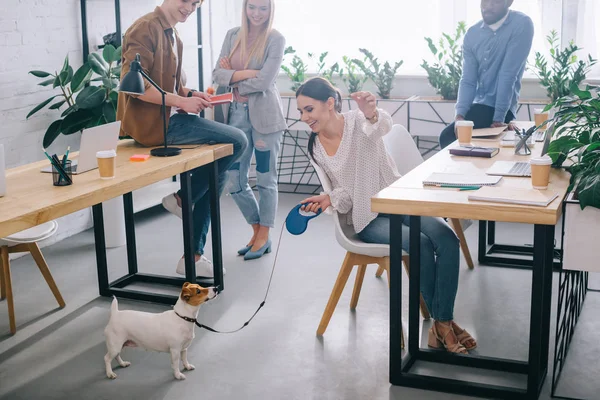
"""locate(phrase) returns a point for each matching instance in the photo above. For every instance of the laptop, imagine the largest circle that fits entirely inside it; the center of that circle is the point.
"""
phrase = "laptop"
(517, 168)
(103, 137)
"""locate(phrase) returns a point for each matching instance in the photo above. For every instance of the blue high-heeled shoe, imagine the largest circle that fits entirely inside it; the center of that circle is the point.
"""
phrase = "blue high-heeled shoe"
(253, 255)
(244, 250)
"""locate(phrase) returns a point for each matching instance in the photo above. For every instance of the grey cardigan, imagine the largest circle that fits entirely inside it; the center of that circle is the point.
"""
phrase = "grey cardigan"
(264, 101)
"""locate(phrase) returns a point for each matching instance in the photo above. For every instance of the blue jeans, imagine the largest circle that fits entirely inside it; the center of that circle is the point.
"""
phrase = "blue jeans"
(266, 150)
(440, 255)
(191, 129)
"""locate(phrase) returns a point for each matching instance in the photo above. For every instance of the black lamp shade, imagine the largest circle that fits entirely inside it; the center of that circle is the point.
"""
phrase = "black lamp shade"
(132, 83)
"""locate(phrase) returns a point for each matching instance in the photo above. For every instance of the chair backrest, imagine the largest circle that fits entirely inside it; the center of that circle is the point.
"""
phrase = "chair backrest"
(344, 233)
(403, 149)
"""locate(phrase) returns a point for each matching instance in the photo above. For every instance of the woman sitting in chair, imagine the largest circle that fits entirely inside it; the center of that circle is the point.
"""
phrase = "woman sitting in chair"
(349, 148)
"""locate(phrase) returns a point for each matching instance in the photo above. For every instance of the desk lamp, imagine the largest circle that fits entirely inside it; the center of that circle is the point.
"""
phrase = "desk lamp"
(133, 83)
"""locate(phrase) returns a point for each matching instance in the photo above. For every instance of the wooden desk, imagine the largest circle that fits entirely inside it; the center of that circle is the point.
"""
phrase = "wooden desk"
(407, 196)
(32, 200)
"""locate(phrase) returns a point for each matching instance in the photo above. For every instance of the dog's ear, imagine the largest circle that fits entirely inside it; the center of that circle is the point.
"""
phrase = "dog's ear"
(186, 296)
(186, 284)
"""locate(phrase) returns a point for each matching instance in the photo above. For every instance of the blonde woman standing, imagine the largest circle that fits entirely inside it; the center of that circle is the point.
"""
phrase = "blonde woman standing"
(249, 63)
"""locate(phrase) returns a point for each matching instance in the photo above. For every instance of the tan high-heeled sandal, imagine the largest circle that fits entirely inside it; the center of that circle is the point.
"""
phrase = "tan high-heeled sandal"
(463, 336)
(436, 341)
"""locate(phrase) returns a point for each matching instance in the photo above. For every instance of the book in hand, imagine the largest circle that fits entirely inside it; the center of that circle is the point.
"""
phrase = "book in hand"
(459, 180)
(221, 99)
(474, 151)
(528, 197)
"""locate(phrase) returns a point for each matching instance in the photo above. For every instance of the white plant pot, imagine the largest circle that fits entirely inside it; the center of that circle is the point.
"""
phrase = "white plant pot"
(114, 222)
(581, 228)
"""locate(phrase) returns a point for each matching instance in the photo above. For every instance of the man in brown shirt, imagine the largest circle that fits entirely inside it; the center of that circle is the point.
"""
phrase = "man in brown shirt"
(155, 39)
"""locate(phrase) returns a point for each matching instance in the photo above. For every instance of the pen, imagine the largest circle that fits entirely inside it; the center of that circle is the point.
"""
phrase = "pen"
(65, 157)
(474, 187)
(52, 162)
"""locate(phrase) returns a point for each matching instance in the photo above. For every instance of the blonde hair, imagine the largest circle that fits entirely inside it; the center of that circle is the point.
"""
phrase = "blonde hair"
(257, 51)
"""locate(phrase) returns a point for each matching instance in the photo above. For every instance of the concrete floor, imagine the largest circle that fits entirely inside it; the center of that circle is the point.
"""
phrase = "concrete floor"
(58, 354)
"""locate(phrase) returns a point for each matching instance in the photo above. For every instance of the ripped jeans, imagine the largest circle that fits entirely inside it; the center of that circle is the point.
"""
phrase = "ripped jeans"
(266, 151)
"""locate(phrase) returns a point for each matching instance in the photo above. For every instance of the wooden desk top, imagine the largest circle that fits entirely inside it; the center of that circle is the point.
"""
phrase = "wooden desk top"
(408, 196)
(32, 199)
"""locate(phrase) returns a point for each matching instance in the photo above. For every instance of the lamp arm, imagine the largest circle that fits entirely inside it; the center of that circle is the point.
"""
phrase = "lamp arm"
(164, 104)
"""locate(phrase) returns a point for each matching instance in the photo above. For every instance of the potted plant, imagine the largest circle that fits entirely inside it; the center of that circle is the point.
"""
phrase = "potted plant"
(576, 148)
(86, 105)
(445, 73)
(563, 71)
(353, 81)
(381, 75)
(296, 71)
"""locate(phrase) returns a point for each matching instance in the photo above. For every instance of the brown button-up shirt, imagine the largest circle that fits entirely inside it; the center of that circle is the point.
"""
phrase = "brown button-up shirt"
(151, 37)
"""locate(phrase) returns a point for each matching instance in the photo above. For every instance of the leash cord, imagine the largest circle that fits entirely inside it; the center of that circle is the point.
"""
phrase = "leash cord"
(208, 328)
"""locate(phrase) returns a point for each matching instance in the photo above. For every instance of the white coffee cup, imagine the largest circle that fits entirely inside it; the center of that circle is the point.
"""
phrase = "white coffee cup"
(464, 131)
(540, 172)
(107, 163)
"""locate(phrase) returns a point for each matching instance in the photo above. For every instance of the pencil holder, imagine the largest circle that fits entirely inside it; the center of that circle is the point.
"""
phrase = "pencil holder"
(58, 179)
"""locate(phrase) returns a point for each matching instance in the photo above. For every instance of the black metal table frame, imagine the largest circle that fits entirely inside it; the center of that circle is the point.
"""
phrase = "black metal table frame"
(489, 253)
(119, 288)
(535, 368)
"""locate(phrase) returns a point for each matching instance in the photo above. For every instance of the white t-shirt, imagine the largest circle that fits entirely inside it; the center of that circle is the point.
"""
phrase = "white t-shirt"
(360, 168)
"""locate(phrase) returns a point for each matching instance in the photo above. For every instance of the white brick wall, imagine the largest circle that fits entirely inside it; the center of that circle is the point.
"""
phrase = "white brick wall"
(38, 34)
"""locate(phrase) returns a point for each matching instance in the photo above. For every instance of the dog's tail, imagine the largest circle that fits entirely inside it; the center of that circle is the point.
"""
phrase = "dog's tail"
(114, 307)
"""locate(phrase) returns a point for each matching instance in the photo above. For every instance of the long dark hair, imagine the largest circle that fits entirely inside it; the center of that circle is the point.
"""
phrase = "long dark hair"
(319, 89)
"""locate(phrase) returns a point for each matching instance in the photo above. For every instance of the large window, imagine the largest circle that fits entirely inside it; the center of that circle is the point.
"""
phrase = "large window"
(395, 30)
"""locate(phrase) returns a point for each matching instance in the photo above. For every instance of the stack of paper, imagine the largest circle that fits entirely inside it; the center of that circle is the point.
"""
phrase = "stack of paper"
(530, 197)
(442, 178)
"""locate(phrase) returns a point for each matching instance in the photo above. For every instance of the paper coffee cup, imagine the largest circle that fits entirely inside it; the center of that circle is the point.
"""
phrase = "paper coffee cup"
(107, 163)
(464, 131)
(540, 117)
(540, 172)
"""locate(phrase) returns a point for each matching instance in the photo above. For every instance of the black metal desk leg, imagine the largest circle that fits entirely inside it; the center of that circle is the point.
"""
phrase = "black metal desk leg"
(188, 227)
(130, 233)
(414, 291)
(100, 242)
(481, 244)
(395, 299)
(215, 222)
(541, 290)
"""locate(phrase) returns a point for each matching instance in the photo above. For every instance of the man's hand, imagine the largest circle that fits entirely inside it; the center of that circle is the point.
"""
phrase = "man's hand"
(202, 95)
(313, 204)
(225, 63)
(497, 124)
(512, 126)
(193, 105)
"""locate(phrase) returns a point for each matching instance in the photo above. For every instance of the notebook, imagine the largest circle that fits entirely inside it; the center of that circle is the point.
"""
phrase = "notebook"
(474, 151)
(443, 178)
(529, 197)
(221, 99)
(488, 132)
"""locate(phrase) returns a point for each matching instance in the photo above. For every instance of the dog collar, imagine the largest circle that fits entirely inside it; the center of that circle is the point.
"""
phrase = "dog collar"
(188, 319)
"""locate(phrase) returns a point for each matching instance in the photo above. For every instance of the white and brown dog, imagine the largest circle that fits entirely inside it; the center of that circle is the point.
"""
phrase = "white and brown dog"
(170, 332)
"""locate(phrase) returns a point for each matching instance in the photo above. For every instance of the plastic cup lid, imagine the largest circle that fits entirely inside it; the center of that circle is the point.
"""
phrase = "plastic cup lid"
(464, 123)
(544, 160)
(106, 154)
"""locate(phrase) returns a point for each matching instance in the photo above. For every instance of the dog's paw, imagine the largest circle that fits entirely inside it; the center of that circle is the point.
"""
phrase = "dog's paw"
(125, 364)
(179, 376)
(111, 375)
(189, 367)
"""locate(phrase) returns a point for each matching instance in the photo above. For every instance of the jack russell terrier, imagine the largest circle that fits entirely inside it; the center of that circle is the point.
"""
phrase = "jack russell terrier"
(169, 332)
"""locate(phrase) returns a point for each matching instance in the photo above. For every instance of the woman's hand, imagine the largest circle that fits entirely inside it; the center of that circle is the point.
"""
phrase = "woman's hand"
(367, 103)
(225, 63)
(313, 204)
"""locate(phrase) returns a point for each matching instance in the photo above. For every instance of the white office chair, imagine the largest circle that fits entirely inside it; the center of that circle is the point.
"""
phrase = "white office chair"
(403, 149)
(357, 253)
(25, 241)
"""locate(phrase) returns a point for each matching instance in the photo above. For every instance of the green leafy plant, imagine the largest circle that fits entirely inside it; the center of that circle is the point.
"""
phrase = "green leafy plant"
(577, 142)
(353, 81)
(564, 70)
(86, 105)
(445, 73)
(381, 75)
(326, 73)
(296, 71)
